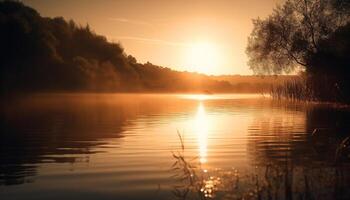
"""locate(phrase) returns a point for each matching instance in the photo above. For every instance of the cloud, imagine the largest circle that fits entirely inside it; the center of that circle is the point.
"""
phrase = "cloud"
(150, 40)
(130, 21)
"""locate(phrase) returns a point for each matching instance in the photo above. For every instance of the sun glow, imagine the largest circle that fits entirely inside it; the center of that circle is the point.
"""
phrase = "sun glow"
(203, 57)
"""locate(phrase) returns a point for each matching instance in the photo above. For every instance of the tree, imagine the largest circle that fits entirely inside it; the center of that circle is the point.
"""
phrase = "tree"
(51, 54)
(293, 33)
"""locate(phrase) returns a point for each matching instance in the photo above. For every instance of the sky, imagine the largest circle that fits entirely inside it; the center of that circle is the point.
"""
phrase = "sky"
(206, 36)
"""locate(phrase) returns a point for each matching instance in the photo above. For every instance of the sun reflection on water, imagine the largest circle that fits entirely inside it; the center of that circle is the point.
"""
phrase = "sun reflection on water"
(201, 128)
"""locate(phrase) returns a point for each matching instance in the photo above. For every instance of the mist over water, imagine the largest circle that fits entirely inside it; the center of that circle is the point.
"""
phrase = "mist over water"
(119, 146)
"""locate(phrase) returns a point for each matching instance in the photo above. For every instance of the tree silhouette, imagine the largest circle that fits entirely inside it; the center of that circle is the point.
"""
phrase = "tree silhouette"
(52, 54)
(292, 33)
(313, 35)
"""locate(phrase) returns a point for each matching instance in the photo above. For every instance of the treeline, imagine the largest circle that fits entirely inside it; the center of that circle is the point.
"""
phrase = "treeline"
(52, 54)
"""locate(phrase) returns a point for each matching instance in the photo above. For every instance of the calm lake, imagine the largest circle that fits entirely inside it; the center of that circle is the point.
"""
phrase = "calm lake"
(120, 146)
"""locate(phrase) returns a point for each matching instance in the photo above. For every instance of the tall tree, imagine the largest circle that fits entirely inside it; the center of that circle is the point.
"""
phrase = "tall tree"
(293, 33)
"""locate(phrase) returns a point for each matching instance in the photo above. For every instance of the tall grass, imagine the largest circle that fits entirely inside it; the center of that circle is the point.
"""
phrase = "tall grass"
(270, 182)
(296, 90)
(187, 174)
(315, 88)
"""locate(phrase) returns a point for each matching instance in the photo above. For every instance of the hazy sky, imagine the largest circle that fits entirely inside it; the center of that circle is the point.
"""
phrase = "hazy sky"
(204, 36)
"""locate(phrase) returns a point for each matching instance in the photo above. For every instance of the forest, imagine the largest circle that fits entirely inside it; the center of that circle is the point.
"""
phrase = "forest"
(41, 54)
(52, 54)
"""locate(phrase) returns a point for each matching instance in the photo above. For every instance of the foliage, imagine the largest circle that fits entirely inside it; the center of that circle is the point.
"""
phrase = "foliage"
(309, 35)
(52, 54)
(293, 33)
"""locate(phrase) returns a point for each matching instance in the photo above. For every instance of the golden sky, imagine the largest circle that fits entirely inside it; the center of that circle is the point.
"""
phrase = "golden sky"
(187, 35)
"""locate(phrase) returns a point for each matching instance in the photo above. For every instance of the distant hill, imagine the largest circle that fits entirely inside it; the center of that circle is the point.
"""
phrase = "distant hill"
(40, 54)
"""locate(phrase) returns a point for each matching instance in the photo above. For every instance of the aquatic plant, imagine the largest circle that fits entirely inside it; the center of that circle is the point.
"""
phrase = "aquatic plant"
(187, 176)
(295, 90)
(311, 88)
(268, 181)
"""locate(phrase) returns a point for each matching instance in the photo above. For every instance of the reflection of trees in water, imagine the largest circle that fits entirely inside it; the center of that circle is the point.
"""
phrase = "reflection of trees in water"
(329, 128)
(303, 148)
(287, 135)
(278, 134)
(59, 131)
(67, 128)
(335, 122)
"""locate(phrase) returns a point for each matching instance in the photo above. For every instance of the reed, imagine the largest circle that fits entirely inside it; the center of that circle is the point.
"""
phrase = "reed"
(186, 173)
(312, 88)
(295, 90)
(270, 181)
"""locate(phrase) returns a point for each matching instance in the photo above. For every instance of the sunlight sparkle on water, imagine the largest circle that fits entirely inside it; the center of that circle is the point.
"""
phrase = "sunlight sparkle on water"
(201, 123)
(199, 97)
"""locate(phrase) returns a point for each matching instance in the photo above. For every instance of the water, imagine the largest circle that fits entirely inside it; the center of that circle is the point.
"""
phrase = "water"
(119, 146)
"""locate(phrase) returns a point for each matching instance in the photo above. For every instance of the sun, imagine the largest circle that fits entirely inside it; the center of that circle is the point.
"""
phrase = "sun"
(203, 57)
